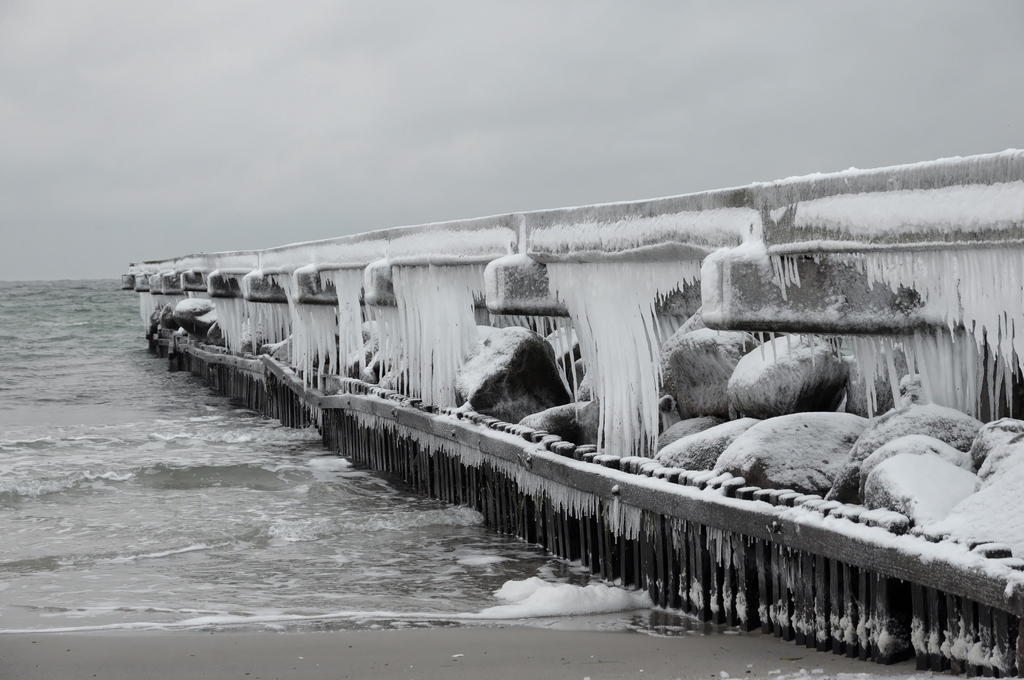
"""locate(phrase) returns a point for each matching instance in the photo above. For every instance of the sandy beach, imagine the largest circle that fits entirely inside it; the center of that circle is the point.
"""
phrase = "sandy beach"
(493, 652)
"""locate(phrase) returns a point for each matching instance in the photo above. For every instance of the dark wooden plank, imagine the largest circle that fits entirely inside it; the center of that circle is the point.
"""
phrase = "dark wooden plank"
(765, 584)
(920, 627)
(822, 604)
(1005, 630)
(954, 624)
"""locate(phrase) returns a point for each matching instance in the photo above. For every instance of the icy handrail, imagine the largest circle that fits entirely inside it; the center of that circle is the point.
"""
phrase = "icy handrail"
(977, 199)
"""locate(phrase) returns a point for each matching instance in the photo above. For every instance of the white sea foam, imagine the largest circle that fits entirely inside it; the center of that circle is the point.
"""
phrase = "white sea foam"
(162, 553)
(535, 597)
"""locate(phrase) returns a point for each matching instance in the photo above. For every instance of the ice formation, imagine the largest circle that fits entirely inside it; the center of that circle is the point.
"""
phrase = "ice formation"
(612, 310)
(969, 363)
(437, 324)
(348, 284)
(233, 316)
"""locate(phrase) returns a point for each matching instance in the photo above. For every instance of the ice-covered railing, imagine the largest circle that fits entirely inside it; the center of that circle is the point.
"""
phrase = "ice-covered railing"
(892, 255)
(922, 260)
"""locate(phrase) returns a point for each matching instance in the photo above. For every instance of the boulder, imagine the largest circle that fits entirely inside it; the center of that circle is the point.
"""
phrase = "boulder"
(993, 513)
(576, 422)
(686, 427)
(857, 387)
(195, 316)
(694, 323)
(945, 424)
(700, 364)
(924, 487)
(701, 450)
(792, 374)
(1001, 459)
(279, 351)
(215, 336)
(915, 445)
(994, 436)
(167, 318)
(801, 451)
(510, 375)
(584, 391)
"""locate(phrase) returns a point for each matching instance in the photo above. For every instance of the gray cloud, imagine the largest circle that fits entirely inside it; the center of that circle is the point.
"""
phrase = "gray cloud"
(136, 130)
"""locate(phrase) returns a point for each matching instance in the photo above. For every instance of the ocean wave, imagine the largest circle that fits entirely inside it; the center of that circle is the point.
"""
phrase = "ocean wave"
(33, 488)
(163, 553)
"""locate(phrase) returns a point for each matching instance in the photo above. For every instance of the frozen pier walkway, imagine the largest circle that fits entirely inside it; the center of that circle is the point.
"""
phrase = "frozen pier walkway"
(550, 368)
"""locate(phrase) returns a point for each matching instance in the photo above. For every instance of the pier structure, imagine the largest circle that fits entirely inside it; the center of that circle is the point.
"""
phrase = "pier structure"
(927, 258)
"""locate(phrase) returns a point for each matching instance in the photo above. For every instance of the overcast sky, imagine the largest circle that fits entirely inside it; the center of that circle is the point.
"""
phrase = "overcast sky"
(137, 130)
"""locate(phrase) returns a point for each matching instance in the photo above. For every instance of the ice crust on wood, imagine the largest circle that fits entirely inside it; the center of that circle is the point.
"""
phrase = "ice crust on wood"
(801, 451)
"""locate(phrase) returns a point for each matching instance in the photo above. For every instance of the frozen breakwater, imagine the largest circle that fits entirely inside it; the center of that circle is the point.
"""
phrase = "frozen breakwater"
(790, 406)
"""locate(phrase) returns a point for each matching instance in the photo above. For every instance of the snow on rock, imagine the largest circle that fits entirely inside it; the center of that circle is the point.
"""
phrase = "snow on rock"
(945, 424)
(576, 422)
(510, 375)
(280, 351)
(196, 316)
(790, 374)
(923, 486)
(992, 514)
(701, 450)
(700, 364)
(166, 318)
(992, 441)
(534, 597)
(916, 445)
(801, 451)
(685, 428)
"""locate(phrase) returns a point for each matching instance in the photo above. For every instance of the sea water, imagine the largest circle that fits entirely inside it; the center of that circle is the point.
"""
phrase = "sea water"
(132, 497)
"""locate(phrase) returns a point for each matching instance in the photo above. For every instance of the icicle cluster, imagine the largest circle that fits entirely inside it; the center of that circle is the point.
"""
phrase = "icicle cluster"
(147, 305)
(233, 317)
(980, 294)
(437, 324)
(348, 283)
(270, 323)
(612, 309)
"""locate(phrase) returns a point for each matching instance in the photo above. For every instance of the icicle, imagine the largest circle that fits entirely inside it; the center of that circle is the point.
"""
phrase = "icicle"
(232, 316)
(612, 310)
(437, 324)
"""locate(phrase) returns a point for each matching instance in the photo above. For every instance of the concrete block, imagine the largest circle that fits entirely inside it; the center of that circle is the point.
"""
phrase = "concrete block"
(742, 293)
(312, 288)
(518, 284)
(225, 283)
(258, 286)
(194, 280)
(378, 286)
(127, 281)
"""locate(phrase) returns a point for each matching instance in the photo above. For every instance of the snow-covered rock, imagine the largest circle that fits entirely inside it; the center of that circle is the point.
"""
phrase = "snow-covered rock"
(167, 318)
(685, 428)
(994, 513)
(993, 438)
(510, 375)
(945, 424)
(915, 445)
(857, 387)
(280, 351)
(701, 363)
(793, 374)
(924, 487)
(802, 451)
(701, 450)
(575, 422)
(694, 323)
(215, 336)
(195, 316)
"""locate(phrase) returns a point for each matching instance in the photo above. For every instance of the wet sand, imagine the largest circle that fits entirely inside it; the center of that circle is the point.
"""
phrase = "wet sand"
(452, 653)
